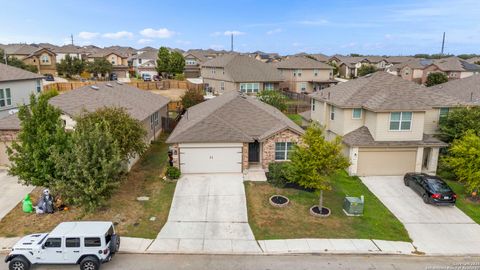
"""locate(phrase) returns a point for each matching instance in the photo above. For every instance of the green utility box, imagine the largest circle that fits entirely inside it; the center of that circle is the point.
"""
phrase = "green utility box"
(353, 206)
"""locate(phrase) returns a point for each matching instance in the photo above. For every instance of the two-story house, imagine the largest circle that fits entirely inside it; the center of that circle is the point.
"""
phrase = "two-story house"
(193, 63)
(235, 72)
(304, 75)
(70, 50)
(42, 58)
(386, 123)
(348, 65)
(467, 90)
(145, 62)
(119, 61)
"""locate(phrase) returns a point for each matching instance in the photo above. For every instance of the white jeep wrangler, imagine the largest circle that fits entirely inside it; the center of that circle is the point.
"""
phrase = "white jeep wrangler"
(88, 243)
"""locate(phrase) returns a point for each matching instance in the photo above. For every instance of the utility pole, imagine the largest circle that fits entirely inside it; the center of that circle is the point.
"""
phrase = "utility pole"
(71, 37)
(231, 43)
(443, 44)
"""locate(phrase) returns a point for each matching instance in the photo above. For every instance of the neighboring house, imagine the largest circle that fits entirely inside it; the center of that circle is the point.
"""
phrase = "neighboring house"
(305, 75)
(412, 70)
(235, 72)
(193, 63)
(394, 60)
(386, 123)
(379, 62)
(145, 62)
(231, 133)
(118, 60)
(467, 90)
(16, 85)
(320, 57)
(71, 50)
(348, 65)
(265, 57)
(42, 58)
(474, 60)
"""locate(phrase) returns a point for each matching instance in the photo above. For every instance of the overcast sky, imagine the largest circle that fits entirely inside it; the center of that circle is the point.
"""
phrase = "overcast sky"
(284, 26)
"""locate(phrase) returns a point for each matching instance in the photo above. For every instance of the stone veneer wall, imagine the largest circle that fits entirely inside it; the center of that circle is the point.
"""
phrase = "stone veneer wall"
(245, 156)
(176, 155)
(269, 145)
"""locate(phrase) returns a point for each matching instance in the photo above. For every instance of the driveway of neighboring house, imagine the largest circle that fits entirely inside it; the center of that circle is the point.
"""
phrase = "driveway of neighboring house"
(433, 229)
(11, 192)
(208, 214)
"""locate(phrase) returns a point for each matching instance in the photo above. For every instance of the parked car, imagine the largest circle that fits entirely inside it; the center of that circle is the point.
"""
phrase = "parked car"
(113, 77)
(157, 78)
(87, 243)
(432, 188)
(146, 77)
(49, 77)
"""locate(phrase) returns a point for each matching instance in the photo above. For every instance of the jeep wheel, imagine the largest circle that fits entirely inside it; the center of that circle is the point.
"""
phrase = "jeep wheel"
(19, 263)
(115, 244)
(89, 263)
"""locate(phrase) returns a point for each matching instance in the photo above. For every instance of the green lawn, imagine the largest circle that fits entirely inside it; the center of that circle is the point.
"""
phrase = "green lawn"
(296, 118)
(469, 207)
(295, 221)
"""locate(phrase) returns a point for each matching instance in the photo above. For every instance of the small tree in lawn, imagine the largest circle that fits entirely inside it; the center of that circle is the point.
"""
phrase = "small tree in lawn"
(92, 167)
(191, 98)
(435, 78)
(274, 98)
(41, 133)
(464, 160)
(70, 66)
(315, 160)
(366, 69)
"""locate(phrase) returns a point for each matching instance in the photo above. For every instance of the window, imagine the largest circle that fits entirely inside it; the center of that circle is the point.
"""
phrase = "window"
(332, 112)
(357, 113)
(443, 114)
(249, 87)
(5, 97)
(268, 86)
(53, 243)
(283, 150)
(190, 62)
(213, 70)
(72, 242)
(139, 61)
(297, 72)
(313, 104)
(400, 120)
(303, 87)
(92, 242)
(315, 72)
(222, 86)
(39, 86)
(153, 120)
(45, 59)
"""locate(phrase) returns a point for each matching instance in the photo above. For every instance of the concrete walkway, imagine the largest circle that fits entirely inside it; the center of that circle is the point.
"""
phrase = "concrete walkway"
(434, 230)
(12, 192)
(208, 214)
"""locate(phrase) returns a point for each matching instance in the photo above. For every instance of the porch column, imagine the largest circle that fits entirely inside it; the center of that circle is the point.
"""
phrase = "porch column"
(433, 160)
(419, 160)
(353, 157)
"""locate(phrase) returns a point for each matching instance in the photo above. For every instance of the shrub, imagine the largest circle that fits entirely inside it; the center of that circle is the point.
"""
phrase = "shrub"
(274, 98)
(191, 98)
(173, 172)
(435, 78)
(276, 174)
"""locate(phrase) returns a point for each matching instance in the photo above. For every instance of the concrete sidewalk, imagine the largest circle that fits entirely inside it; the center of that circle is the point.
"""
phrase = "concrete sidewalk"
(12, 192)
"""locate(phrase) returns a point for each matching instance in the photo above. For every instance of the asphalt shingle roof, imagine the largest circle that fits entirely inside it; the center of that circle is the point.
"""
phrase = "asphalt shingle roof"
(382, 91)
(10, 122)
(301, 62)
(231, 117)
(139, 104)
(242, 68)
(466, 89)
(9, 73)
(455, 64)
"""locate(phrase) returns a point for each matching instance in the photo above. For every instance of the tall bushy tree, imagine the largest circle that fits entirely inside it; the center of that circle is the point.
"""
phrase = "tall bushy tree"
(128, 133)
(91, 168)
(70, 66)
(274, 98)
(435, 78)
(315, 160)
(99, 66)
(15, 62)
(458, 122)
(191, 98)
(464, 160)
(177, 63)
(163, 60)
(41, 133)
(366, 69)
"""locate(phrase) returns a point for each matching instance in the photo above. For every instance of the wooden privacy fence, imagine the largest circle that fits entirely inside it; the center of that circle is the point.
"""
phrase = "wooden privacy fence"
(160, 85)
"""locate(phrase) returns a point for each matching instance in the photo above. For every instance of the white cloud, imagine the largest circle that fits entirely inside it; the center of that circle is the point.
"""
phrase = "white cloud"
(314, 22)
(118, 35)
(157, 33)
(296, 44)
(87, 35)
(144, 41)
(274, 31)
(216, 47)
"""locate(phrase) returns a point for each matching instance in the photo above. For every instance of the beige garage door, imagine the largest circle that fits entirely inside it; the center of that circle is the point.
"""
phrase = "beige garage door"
(386, 161)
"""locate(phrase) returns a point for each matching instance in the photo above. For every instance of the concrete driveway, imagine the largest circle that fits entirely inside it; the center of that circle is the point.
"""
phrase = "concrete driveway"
(208, 214)
(11, 192)
(433, 229)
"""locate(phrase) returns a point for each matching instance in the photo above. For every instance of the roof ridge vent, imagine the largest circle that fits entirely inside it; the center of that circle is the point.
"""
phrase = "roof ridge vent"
(119, 82)
(109, 85)
(94, 87)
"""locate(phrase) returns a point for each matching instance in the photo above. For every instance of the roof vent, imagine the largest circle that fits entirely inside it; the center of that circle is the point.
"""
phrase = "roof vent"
(109, 85)
(94, 87)
(119, 82)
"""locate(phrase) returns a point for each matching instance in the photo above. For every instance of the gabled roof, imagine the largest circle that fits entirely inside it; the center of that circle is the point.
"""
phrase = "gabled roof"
(69, 49)
(139, 104)
(321, 57)
(399, 59)
(242, 68)
(455, 64)
(199, 55)
(466, 89)
(301, 62)
(382, 91)
(9, 73)
(231, 117)
(148, 55)
(473, 60)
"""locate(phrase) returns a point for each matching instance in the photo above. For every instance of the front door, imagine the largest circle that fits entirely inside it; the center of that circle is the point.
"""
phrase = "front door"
(254, 152)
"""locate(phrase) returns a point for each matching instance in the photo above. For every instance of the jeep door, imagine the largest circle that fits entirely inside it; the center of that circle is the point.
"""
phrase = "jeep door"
(73, 249)
(52, 251)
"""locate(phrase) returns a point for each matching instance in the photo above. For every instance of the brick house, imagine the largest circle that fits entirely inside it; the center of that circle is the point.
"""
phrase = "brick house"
(232, 133)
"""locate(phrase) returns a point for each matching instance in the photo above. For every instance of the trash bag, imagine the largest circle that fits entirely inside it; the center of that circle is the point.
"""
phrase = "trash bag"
(27, 206)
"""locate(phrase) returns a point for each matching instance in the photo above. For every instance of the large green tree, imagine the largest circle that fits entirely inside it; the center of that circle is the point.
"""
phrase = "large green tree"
(70, 66)
(163, 61)
(315, 160)
(274, 98)
(91, 168)
(128, 133)
(99, 66)
(169, 63)
(464, 160)
(366, 69)
(42, 132)
(458, 122)
(191, 98)
(176, 63)
(435, 78)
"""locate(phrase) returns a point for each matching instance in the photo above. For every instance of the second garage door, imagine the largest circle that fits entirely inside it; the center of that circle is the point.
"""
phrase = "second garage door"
(211, 158)
(386, 161)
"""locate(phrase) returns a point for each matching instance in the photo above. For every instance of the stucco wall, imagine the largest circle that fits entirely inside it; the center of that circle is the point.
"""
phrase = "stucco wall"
(20, 92)
(383, 132)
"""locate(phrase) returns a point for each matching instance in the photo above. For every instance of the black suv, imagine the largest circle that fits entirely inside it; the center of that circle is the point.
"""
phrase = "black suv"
(432, 188)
